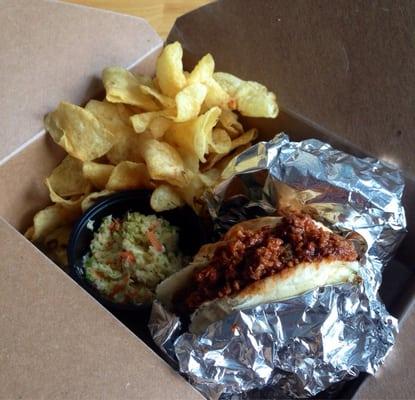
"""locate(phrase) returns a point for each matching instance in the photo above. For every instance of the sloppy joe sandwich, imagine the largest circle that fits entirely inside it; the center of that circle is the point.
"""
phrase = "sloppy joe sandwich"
(259, 261)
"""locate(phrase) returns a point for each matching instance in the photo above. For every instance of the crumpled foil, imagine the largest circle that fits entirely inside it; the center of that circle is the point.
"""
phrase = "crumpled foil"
(300, 346)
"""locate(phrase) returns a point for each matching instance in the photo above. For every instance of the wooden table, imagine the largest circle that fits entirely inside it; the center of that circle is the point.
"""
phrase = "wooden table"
(160, 13)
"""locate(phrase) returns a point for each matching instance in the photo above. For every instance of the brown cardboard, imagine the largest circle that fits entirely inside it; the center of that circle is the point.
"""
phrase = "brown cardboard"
(325, 60)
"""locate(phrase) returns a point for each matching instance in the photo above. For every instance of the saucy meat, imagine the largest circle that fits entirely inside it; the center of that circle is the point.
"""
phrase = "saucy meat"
(251, 255)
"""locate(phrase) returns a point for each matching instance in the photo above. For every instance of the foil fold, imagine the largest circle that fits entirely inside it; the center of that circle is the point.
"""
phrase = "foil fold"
(300, 346)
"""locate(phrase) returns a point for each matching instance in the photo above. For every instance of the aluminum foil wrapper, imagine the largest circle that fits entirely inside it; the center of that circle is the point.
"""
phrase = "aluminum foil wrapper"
(301, 346)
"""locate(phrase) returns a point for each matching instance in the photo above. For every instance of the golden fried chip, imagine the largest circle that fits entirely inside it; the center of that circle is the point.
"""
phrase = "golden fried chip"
(59, 256)
(237, 146)
(229, 121)
(192, 192)
(55, 245)
(98, 174)
(78, 132)
(210, 178)
(252, 99)
(51, 218)
(221, 142)
(92, 198)
(216, 96)
(72, 201)
(203, 71)
(155, 84)
(126, 148)
(129, 175)
(159, 126)
(165, 101)
(29, 233)
(67, 178)
(163, 162)
(228, 82)
(164, 198)
(211, 160)
(189, 101)
(122, 86)
(190, 161)
(196, 135)
(245, 138)
(154, 123)
(116, 118)
(134, 110)
(169, 70)
(141, 121)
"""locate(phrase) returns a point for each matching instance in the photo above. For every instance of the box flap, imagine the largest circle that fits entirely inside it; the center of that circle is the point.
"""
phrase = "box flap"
(347, 66)
(54, 51)
(59, 343)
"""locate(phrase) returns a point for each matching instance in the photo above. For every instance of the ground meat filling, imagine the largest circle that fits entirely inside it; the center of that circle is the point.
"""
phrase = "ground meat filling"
(251, 255)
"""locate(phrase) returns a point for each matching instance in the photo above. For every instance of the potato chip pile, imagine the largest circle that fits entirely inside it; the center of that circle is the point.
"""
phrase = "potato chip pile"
(173, 134)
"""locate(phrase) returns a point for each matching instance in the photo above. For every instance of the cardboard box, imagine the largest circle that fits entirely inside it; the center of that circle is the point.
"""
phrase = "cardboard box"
(343, 72)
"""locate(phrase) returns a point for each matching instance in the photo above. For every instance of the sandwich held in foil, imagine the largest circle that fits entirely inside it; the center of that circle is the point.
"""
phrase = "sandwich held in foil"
(259, 261)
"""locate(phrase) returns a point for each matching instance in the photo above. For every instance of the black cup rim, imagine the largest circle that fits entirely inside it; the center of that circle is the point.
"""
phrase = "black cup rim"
(101, 205)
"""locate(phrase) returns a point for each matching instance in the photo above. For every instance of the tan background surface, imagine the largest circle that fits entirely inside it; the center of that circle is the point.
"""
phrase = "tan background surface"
(160, 13)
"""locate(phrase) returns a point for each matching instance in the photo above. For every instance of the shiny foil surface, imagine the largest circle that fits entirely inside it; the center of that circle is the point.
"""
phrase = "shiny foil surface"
(300, 346)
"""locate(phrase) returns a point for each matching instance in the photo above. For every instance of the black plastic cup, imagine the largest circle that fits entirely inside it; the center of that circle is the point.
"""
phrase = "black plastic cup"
(192, 234)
